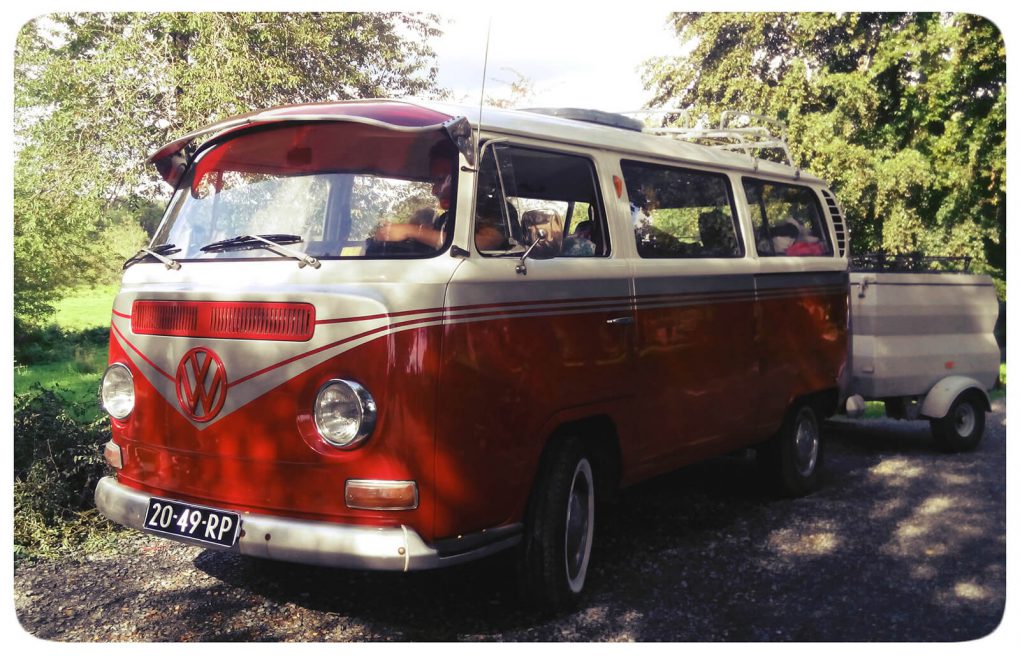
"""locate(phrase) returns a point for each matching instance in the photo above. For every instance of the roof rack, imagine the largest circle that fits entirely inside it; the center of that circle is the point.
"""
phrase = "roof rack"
(595, 116)
(738, 131)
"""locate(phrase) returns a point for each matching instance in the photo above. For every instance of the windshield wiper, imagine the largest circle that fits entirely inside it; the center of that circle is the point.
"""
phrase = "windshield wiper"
(275, 242)
(159, 252)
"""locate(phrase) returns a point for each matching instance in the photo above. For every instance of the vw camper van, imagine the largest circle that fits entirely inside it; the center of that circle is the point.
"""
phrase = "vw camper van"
(403, 335)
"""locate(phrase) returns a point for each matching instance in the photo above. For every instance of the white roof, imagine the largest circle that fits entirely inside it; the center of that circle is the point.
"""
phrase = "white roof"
(552, 128)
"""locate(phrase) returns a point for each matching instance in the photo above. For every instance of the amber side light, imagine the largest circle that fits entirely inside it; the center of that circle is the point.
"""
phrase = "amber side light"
(381, 495)
(113, 455)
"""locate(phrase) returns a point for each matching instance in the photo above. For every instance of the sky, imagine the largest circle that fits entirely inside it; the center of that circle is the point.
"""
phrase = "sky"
(594, 63)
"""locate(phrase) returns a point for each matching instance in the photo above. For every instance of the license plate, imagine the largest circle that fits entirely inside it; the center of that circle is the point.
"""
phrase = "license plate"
(218, 527)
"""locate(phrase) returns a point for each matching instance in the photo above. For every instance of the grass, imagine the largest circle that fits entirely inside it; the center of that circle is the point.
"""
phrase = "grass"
(73, 366)
(72, 385)
(86, 308)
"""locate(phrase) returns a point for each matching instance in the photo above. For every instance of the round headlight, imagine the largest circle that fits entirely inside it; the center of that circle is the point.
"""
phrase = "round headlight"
(118, 391)
(344, 413)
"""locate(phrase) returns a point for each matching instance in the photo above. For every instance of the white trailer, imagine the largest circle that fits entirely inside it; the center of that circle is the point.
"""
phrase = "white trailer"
(924, 344)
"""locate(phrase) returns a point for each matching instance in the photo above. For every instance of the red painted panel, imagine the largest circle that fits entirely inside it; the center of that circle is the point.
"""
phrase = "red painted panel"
(505, 385)
(466, 409)
(697, 385)
(803, 348)
(266, 457)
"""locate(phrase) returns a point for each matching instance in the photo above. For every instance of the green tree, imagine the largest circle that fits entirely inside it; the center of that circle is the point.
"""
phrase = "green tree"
(905, 115)
(95, 94)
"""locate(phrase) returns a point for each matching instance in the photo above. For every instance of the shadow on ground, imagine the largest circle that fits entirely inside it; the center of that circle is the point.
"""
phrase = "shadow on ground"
(901, 543)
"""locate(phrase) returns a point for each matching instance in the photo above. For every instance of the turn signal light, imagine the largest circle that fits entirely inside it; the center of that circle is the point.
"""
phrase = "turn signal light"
(381, 495)
(113, 456)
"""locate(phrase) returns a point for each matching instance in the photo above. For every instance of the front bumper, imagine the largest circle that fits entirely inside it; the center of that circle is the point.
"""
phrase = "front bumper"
(318, 543)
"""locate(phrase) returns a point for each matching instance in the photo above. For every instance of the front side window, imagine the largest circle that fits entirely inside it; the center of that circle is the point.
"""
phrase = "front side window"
(681, 213)
(555, 192)
(330, 190)
(787, 220)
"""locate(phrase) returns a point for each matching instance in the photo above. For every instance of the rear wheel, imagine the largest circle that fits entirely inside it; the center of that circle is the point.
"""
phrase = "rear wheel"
(793, 457)
(559, 529)
(962, 427)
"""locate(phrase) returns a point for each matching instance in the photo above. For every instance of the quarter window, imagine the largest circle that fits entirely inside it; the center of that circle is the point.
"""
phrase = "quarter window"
(681, 213)
(787, 220)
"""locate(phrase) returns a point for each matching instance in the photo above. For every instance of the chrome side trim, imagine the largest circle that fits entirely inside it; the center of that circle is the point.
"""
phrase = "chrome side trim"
(313, 543)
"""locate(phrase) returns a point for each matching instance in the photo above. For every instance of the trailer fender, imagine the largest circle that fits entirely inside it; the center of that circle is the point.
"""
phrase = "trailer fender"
(940, 398)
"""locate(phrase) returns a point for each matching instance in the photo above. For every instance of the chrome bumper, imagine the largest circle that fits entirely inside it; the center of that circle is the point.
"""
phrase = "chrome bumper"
(318, 543)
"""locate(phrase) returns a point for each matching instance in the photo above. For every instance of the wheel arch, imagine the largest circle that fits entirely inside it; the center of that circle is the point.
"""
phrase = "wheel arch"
(941, 397)
(824, 402)
(599, 435)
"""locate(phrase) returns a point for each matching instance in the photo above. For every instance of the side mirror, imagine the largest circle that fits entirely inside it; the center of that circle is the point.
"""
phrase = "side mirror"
(543, 230)
(521, 267)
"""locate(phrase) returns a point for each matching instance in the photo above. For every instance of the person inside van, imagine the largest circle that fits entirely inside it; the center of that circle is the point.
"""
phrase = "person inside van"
(580, 244)
(490, 228)
(424, 216)
(433, 234)
(429, 233)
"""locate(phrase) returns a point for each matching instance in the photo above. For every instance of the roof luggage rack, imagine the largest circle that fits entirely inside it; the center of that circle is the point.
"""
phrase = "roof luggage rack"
(737, 131)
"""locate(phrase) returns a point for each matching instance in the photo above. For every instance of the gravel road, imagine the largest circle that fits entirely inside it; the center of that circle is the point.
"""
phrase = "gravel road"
(902, 543)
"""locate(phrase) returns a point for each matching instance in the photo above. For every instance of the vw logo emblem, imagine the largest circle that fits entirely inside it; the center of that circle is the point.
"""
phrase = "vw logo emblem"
(201, 384)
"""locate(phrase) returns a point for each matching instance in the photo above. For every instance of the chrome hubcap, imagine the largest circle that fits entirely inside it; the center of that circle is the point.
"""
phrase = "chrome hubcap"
(579, 526)
(965, 419)
(806, 442)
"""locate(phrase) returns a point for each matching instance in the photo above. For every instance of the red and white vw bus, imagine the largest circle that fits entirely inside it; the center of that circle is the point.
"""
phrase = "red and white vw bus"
(379, 335)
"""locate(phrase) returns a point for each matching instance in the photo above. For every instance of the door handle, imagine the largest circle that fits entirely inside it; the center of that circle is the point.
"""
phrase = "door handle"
(620, 321)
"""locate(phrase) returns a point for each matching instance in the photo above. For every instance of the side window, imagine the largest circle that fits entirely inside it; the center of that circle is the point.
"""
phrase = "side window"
(556, 192)
(787, 220)
(681, 213)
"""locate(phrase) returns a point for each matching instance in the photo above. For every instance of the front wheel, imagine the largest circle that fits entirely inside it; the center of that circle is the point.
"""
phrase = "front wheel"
(559, 529)
(793, 457)
(962, 427)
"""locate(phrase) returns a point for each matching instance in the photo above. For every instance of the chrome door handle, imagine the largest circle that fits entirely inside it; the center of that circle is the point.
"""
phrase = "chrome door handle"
(620, 321)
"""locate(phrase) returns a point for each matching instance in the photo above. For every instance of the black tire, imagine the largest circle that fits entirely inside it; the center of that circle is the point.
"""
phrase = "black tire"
(963, 426)
(793, 457)
(553, 559)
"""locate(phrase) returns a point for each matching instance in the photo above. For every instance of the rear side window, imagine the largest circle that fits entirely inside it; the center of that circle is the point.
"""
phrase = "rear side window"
(681, 213)
(787, 220)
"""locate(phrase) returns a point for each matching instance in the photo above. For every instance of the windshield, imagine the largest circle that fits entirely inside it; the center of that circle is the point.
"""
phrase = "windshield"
(336, 190)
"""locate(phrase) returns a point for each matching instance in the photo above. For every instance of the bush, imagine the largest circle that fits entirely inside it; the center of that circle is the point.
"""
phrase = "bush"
(57, 463)
(88, 359)
(35, 345)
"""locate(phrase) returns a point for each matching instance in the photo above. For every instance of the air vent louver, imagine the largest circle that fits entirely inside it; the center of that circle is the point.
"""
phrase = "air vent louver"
(290, 322)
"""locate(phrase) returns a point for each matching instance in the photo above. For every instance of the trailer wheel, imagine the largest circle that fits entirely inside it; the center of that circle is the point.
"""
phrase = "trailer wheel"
(963, 426)
(559, 528)
(793, 457)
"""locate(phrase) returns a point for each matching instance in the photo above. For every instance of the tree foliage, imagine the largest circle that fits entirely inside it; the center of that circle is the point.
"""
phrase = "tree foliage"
(95, 94)
(905, 115)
